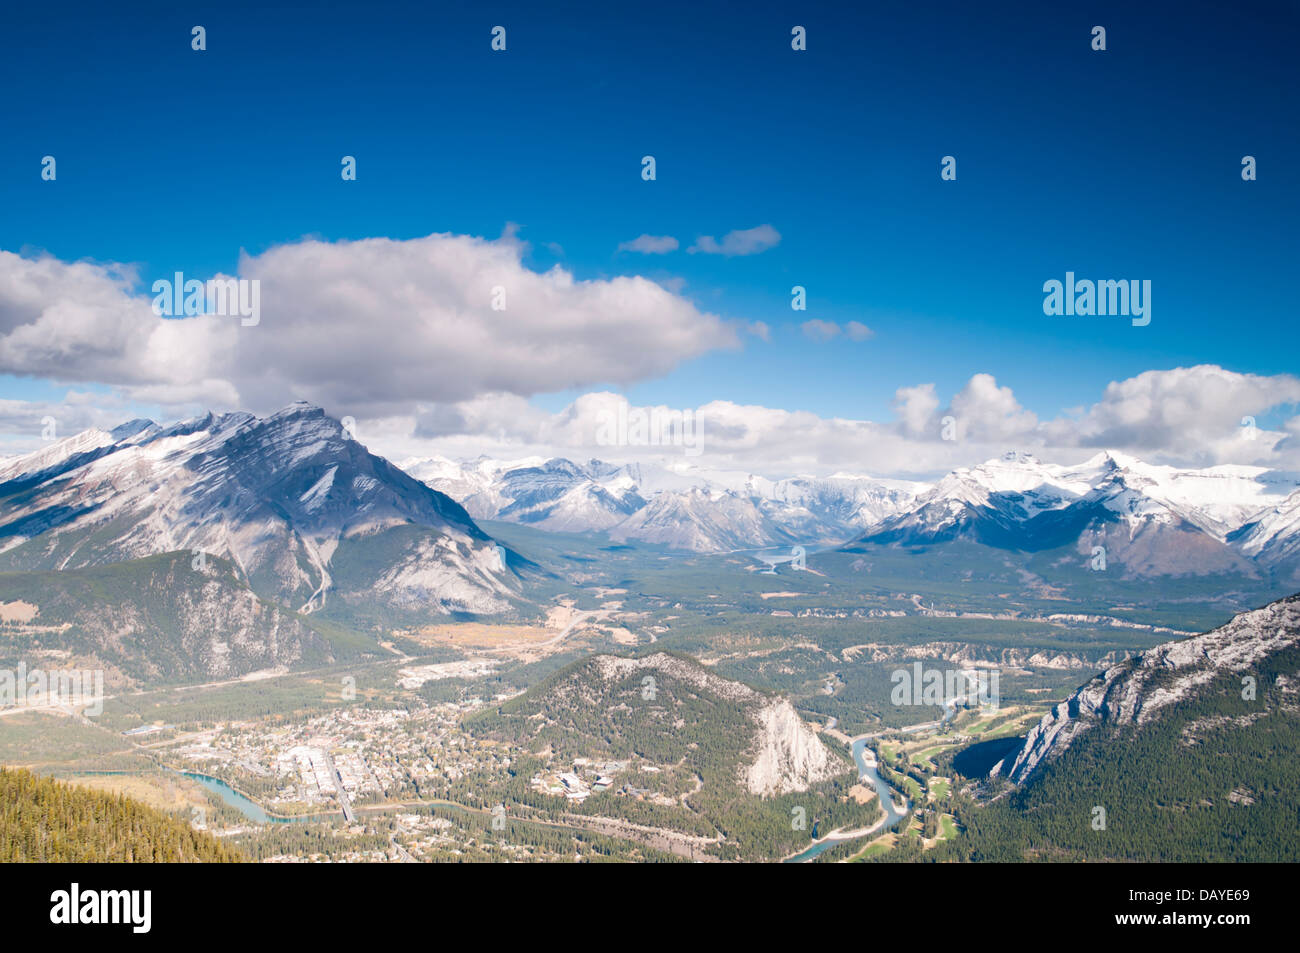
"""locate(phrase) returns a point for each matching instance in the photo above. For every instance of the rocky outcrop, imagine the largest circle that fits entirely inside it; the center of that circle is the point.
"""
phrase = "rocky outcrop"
(790, 755)
(966, 653)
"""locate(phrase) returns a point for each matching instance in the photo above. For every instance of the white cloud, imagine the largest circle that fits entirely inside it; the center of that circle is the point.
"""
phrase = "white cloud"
(402, 336)
(27, 425)
(986, 412)
(650, 244)
(81, 322)
(1192, 412)
(364, 327)
(820, 330)
(749, 241)
(916, 408)
(774, 442)
(986, 421)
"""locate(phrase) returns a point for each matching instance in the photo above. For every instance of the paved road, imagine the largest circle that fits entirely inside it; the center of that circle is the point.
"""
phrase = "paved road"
(344, 802)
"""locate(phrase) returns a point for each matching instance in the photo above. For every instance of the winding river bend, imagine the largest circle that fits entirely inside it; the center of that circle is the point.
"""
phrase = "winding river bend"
(249, 808)
(865, 759)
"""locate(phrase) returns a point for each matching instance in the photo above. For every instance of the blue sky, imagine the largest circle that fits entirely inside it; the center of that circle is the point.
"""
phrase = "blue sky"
(1115, 164)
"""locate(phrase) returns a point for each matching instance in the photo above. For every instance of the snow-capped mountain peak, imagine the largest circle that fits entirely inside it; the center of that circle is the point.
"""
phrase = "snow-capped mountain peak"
(1017, 502)
(280, 496)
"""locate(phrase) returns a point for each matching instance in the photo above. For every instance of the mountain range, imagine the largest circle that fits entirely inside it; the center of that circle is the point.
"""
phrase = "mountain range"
(307, 513)
(278, 530)
(1150, 520)
(695, 510)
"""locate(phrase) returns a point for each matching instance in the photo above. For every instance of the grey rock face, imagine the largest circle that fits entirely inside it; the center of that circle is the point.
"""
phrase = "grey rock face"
(1135, 691)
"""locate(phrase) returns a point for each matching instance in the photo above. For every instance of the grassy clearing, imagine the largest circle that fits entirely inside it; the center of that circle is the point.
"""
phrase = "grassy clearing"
(881, 845)
(44, 741)
(477, 635)
(166, 793)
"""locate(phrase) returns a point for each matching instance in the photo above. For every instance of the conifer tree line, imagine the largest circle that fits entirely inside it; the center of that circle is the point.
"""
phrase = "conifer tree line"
(48, 821)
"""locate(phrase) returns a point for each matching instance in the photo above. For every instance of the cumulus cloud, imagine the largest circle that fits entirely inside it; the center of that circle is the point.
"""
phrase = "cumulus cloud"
(381, 322)
(650, 244)
(989, 413)
(731, 436)
(82, 322)
(1192, 412)
(506, 416)
(371, 326)
(981, 420)
(916, 408)
(749, 241)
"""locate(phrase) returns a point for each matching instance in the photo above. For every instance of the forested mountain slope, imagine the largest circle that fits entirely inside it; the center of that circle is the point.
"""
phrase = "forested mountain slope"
(47, 821)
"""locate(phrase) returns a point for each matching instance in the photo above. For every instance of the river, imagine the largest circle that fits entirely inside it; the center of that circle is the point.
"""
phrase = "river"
(866, 772)
(250, 809)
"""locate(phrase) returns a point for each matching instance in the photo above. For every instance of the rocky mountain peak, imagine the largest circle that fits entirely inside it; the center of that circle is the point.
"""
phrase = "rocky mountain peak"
(1135, 691)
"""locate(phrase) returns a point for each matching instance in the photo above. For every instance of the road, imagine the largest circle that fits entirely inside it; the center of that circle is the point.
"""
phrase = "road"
(344, 802)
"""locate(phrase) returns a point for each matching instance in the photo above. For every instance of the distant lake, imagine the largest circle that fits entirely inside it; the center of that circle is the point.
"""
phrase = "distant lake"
(978, 760)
